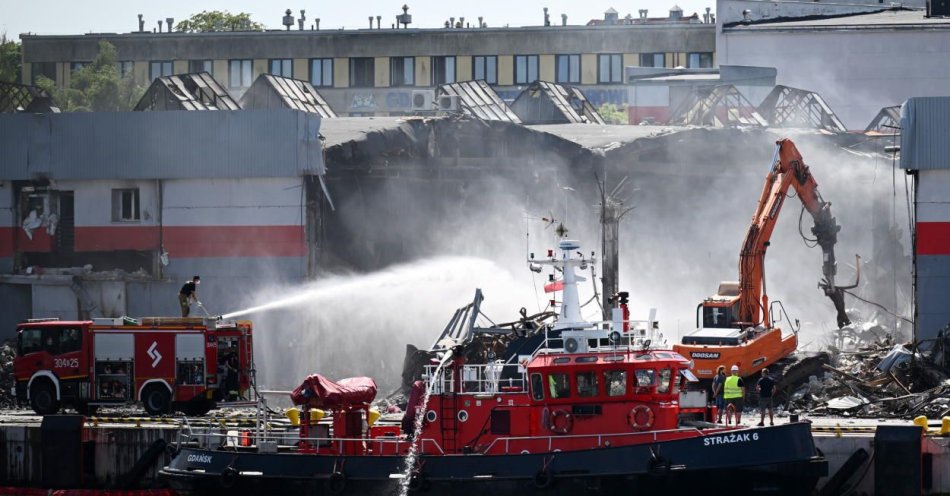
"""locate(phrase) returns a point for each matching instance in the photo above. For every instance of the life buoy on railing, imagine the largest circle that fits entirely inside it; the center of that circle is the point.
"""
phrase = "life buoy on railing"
(228, 477)
(641, 417)
(561, 422)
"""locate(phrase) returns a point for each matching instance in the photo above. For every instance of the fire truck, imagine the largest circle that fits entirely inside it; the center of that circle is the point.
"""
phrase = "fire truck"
(166, 364)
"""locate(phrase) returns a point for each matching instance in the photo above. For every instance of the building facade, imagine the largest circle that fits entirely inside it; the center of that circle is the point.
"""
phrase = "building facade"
(859, 58)
(374, 71)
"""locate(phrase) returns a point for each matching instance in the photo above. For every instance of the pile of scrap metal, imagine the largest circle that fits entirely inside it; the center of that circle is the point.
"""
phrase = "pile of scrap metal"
(7, 352)
(497, 343)
(882, 379)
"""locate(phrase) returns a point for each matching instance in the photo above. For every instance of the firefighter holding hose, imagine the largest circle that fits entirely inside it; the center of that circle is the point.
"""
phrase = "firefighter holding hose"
(188, 295)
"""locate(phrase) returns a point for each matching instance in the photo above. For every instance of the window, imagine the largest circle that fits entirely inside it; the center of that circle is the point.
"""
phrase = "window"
(159, 68)
(239, 73)
(485, 67)
(560, 386)
(537, 387)
(665, 376)
(321, 72)
(75, 66)
(443, 70)
(362, 70)
(652, 60)
(402, 71)
(567, 69)
(698, 60)
(282, 67)
(526, 69)
(616, 382)
(645, 379)
(586, 383)
(29, 341)
(124, 67)
(125, 205)
(70, 340)
(200, 66)
(609, 68)
(45, 69)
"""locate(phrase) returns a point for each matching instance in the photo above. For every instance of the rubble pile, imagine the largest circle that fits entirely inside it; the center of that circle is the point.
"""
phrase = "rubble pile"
(880, 379)
(7, 351)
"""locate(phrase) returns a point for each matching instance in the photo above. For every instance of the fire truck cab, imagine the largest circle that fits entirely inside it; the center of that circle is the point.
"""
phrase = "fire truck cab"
(166, 364)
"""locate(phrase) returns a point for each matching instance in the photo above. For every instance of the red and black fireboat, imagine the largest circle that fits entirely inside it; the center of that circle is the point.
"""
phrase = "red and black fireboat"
(568, 407)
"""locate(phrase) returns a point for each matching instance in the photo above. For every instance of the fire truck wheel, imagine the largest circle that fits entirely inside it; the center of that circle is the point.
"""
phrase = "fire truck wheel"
(43, 398)
(156, 400)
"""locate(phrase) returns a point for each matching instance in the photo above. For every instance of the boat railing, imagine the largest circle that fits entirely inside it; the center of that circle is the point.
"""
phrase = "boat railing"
(640, 334)
(488, 378)
(243, 439)
(550, 443)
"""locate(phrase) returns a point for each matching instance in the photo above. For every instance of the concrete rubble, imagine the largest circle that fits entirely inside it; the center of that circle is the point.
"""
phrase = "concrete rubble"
(879, 378)
(7, 352)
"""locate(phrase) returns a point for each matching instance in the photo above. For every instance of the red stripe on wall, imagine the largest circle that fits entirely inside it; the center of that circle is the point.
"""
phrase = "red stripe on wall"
(234, 241)
(6, 241)
(109, 238)
(933, 238)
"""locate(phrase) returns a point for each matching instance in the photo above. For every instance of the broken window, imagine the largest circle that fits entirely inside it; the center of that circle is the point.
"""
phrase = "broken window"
(443, 70)
(200, 66)
(362, 72)
(125, 205)
(652, 60)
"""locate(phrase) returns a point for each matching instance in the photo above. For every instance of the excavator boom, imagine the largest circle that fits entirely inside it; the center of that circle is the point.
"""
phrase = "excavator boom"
(788, 170)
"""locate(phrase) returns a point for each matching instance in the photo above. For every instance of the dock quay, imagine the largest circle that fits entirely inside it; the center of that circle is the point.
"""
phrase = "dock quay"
(125, 452)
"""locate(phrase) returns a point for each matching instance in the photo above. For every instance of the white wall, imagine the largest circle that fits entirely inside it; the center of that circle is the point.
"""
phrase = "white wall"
(93, 201)
(234, 202)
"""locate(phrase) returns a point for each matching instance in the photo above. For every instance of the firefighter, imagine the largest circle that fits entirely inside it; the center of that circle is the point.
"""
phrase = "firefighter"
(733, 391)
(188, 295)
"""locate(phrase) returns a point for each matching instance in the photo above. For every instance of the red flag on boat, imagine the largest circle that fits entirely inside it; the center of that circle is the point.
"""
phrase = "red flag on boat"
(554, 286)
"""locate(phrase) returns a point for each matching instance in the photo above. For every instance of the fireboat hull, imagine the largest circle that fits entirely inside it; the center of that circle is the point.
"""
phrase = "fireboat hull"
(772, 460)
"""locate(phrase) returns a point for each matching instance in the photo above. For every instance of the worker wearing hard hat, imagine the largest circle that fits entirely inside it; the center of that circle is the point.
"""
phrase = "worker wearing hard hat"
(733, 392)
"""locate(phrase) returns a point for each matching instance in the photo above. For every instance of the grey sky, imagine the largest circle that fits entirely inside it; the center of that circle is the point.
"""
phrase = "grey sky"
(87, 16)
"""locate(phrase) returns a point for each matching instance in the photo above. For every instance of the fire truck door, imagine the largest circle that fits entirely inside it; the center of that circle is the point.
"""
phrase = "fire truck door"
(154, 359)
(189, 365)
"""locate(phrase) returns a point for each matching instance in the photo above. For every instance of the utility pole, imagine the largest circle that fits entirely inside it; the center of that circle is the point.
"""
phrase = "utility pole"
(611, 211)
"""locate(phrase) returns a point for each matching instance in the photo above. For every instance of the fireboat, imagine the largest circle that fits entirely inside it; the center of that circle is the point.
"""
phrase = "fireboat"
(559, 408)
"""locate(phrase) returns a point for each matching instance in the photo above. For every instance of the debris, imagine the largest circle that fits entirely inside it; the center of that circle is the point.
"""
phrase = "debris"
(7, 352)
(879, 378)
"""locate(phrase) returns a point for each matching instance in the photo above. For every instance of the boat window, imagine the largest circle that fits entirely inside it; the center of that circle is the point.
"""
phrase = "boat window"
(614, 358)
(616, 381)
(586, 359)
(560, 386)
(664, 386)
(645, 377)
(586, 383)
(537, 387)
(560, 360)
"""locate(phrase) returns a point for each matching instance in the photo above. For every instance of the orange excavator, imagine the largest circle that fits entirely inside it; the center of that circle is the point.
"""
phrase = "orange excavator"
(735, 326)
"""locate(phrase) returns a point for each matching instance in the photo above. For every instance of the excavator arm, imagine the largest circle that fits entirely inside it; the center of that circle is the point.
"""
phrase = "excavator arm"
(788, 170)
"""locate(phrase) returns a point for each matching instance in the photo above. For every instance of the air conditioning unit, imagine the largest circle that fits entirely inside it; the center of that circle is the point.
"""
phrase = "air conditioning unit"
(449, 103)
(422, 101)
(574, 342)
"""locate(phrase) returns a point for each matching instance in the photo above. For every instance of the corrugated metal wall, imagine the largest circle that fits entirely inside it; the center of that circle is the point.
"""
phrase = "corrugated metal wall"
(924, 125)
(157, 145)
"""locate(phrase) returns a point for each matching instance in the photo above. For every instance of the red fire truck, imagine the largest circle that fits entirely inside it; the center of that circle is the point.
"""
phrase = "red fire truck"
(186, 364)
